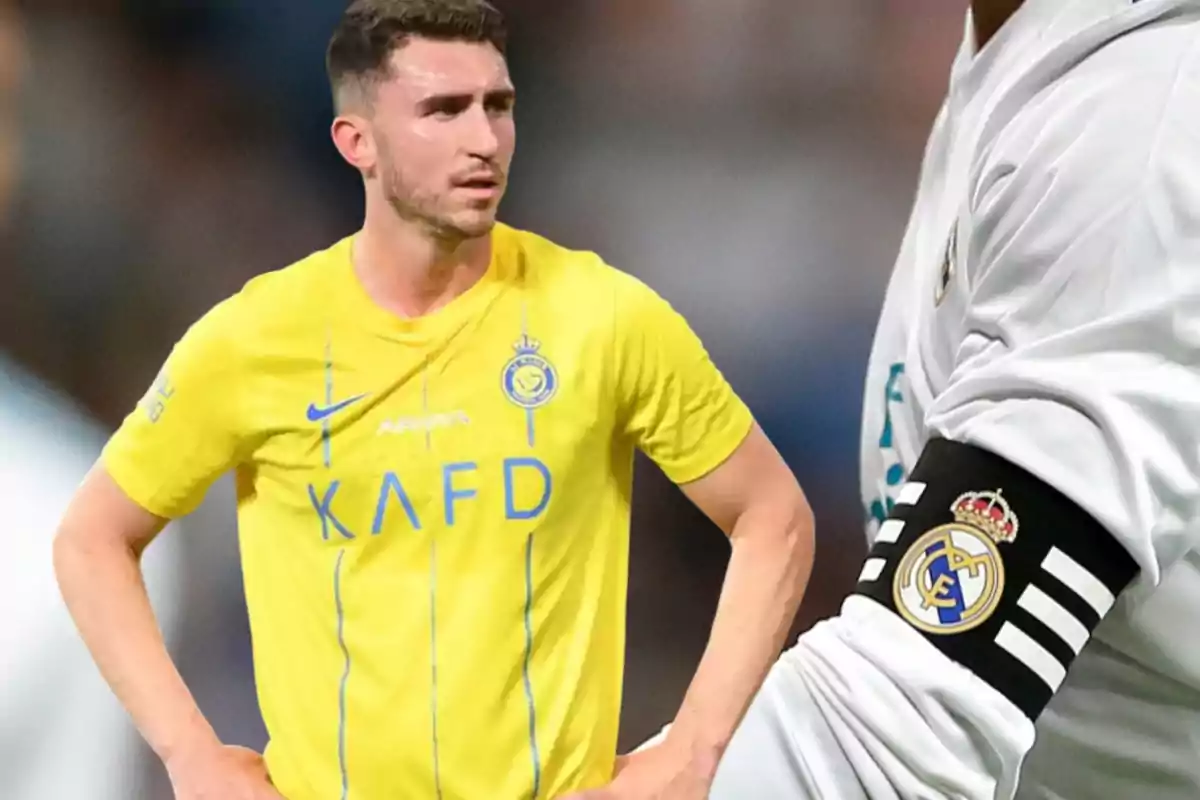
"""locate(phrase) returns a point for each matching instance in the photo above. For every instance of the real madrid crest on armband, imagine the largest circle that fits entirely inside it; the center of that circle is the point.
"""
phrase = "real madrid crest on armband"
(952, 578)
(529, 380)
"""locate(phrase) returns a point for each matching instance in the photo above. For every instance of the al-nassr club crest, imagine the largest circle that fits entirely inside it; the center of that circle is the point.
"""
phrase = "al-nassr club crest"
(529, 380)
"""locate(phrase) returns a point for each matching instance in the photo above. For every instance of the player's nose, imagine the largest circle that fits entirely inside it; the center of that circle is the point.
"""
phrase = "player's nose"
(482, 140)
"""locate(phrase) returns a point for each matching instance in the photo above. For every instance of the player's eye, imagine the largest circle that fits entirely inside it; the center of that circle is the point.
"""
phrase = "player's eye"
(500, 103)
(446, 107)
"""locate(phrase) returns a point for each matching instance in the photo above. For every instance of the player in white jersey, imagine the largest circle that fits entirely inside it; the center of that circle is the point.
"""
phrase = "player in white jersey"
(62, 733)
(1028, 613)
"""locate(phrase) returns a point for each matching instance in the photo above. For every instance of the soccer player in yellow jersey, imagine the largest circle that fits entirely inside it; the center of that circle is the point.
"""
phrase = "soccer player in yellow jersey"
(432, 425)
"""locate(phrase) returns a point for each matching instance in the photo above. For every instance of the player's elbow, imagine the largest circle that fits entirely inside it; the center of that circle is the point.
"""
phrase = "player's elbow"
(79, 550)
(70, 539)
(802, 522)
(74, 560)
(781, 526)
(799, 533)
(90, 561)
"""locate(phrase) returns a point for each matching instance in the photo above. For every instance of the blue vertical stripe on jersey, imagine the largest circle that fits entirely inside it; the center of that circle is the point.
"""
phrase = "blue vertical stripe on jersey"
(433, 663)
(341, 624)
(425, 405)
(325, 438)
(533, 742)
(529, 434)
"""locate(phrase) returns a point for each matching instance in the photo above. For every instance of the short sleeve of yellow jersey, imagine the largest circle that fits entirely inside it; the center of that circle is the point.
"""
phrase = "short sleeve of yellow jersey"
(184, 434)
(676, 405)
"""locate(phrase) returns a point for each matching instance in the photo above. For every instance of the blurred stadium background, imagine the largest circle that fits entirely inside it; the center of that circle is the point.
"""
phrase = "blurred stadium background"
(753, 160)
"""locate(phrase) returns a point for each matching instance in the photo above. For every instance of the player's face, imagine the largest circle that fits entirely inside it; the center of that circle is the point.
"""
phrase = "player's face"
(444, 135)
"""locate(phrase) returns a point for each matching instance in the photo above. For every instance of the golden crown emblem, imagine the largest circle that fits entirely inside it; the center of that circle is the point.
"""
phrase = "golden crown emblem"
(988, 512)
(527, 345)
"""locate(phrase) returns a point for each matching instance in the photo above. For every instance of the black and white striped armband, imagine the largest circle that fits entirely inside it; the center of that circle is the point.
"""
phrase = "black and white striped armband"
(997, 569)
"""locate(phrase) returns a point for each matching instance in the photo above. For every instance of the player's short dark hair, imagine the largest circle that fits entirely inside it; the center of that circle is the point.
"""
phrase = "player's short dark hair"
(371, 30)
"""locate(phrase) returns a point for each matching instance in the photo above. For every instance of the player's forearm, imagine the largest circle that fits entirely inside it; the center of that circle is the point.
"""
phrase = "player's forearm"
(764, 583)
(103, 588)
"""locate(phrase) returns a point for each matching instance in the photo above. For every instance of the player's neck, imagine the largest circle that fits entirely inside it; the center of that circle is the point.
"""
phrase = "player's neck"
(989, 17)
(411, 273)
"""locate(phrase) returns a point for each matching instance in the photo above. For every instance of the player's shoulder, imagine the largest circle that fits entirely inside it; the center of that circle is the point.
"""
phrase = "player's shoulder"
(296, 294)
(560, 268)
(583, 286)
(293, 289)
(1117, 108)
(582, 278)
(282, 302)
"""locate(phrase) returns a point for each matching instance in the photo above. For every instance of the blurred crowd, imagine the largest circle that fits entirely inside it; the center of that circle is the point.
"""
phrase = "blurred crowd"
(753, 160)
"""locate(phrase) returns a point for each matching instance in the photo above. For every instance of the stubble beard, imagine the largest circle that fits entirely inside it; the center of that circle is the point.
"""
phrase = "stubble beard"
(422, 210)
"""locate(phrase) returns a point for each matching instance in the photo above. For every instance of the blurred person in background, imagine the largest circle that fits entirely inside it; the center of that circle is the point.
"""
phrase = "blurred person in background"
(1023, 623)
(433, 425)
(64, 734)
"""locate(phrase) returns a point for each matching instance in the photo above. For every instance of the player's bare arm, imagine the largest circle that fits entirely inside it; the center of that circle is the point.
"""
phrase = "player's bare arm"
(97, 555)
(755, 499)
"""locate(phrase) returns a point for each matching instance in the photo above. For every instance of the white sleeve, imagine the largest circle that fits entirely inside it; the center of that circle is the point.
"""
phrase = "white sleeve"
(1081, 355)
(1076, 380)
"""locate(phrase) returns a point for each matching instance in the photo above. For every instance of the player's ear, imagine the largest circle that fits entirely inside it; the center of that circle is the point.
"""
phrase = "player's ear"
(352, 138)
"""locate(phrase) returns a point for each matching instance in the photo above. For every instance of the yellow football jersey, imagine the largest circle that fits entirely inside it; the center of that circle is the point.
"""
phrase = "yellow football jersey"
(434, 512)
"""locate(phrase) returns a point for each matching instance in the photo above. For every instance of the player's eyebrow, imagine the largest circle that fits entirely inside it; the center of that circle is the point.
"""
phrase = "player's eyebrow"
(456, 103)
(500, 97)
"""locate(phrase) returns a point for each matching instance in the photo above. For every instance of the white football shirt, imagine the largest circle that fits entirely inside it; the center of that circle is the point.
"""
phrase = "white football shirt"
(1045, 306)
(64, 734)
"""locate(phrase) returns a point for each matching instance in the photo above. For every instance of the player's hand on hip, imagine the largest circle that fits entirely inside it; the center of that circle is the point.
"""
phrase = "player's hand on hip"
(655, 773)
(226, 773)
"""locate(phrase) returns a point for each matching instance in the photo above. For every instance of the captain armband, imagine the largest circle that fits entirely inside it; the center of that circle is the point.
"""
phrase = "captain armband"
(998, 570)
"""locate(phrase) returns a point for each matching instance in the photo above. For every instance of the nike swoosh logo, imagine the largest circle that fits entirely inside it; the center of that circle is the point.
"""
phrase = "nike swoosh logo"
(318, 414)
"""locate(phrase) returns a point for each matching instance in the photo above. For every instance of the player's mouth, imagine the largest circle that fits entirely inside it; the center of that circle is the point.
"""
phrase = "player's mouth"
(484, 185)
